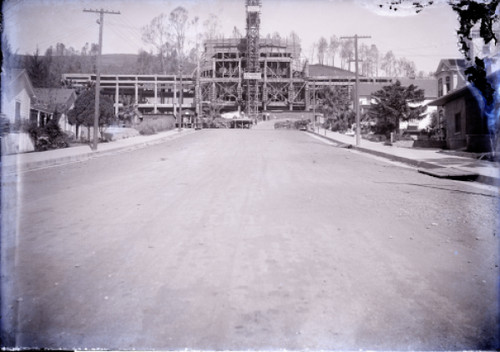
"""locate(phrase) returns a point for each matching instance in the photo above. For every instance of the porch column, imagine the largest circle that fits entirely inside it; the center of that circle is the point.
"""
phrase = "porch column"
(175, 96)
(117, 97)
(136, 86)
(155, 105)
(307, 96)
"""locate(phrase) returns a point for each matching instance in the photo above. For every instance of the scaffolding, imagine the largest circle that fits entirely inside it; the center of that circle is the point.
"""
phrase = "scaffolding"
(252, 73)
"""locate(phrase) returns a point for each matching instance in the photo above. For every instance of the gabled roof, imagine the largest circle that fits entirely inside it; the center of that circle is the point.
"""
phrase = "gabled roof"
(367, 89)
(493, 78)
(429, 85)
(52, 98)
(318, 70)
(458, 65)
(14, 81)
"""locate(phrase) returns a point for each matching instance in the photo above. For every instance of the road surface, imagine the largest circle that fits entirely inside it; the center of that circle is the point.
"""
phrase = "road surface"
(251, 239)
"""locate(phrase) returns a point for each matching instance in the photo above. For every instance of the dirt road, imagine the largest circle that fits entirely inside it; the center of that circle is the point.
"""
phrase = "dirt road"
(252, 239)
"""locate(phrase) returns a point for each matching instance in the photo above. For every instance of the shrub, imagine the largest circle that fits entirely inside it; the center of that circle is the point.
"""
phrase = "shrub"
(154, 125)
(384, 128)
(48, 137)
(303, 123)
(339, 126)
(4, 125)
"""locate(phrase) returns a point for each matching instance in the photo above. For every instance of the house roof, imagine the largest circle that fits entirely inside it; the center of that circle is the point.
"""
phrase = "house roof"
(445, 99)
(367, 89)
(429, 85)
(451, 65)
(318, 70)
(52, 98)
(15, 80)
(493, 78)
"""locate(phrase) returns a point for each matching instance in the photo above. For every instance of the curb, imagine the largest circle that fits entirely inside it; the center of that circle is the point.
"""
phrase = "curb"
(488, 180)
(29, 166)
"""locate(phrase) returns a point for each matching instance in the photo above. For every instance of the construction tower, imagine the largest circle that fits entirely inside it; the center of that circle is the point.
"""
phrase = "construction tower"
(252, 73)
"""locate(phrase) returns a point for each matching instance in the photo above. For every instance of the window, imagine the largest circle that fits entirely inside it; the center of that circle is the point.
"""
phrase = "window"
(440, 87)
(18, 112)
(458, 122)
(455, 81)
(448, 84)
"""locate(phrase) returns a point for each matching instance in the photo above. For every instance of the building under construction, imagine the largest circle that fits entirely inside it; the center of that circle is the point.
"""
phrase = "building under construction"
(248, 74)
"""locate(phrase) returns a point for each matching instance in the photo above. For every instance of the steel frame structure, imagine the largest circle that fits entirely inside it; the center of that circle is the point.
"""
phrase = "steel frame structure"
(252, 67)
(249, 73)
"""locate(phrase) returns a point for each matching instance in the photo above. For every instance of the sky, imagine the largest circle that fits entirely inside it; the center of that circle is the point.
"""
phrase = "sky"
(424, 38)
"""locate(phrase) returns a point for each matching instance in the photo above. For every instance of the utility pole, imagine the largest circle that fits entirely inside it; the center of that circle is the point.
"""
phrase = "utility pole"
(181, 124)
(356, 97)
(100, 21)
(314, 108)
(197, 87)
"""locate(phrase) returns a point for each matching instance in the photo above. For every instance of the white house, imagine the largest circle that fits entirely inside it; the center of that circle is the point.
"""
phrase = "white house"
(428, 85)
(17, 93)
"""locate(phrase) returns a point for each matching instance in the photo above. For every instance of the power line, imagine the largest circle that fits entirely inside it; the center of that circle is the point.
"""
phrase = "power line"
(130, 41)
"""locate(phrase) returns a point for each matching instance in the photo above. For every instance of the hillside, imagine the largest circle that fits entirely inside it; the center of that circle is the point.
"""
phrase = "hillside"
(119, 63)
(110, 64)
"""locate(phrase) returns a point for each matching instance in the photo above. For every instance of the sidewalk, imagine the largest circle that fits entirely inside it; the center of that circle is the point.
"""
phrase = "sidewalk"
(35, 160)
(424, 159)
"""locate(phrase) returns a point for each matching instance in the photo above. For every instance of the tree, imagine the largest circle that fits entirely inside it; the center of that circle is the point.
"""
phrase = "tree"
(146, 63)
(314, 46)
(389, 63)
(157, 34)
(84, 108)
(395, 103)
(405, 68)
(363, 57)
(85, 49)
(294, 39)
(322, 47)
(236, 33)
(373, 56)
(333, 48)
(10, 59)
(335, 105)
(179, 24)
(276, 36)
(211, 26)
(346, 53)
(37, 69)
(60, 49)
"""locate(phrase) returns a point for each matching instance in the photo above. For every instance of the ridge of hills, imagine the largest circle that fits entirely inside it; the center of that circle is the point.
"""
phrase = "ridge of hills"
(110, 64)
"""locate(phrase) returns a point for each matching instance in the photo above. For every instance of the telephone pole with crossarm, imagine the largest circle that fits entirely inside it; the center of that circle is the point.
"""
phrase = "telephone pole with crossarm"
(100, 21)
(356, 97)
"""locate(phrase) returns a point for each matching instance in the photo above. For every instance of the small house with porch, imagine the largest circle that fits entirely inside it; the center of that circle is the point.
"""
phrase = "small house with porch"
(48, 101)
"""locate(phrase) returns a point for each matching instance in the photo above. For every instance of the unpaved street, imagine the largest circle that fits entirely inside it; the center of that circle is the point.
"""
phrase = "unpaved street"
(252, 239)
